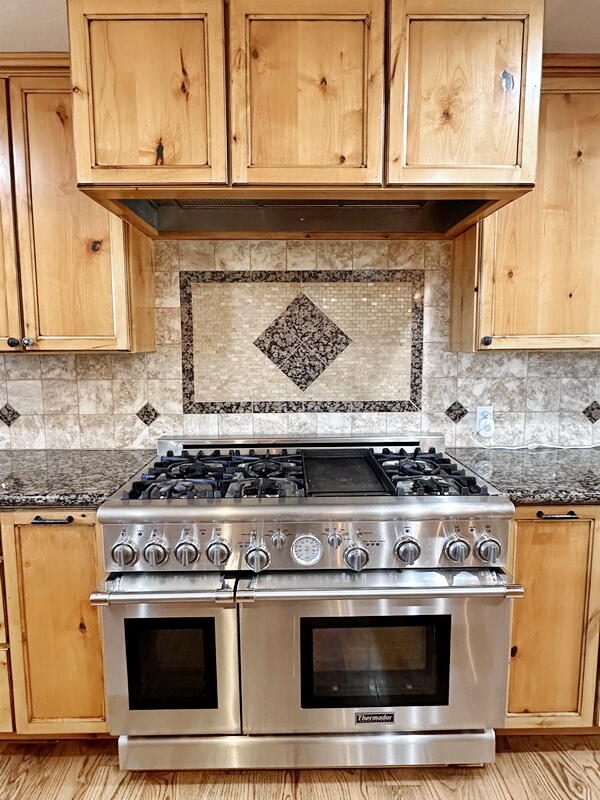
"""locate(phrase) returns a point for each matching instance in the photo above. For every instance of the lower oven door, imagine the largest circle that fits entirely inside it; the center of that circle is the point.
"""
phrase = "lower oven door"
(375, 651)
(170, 654)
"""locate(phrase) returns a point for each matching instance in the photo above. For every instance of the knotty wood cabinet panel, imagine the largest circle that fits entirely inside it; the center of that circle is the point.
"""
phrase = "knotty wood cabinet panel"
(73, 259)
(10, 322)
(536, 268)
(306, 95)
(555, 626)
(464, 91)
(56, 651)
(149, 91)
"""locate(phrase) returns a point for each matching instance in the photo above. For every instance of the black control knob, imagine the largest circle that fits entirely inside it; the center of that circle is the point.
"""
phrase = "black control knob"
(356, 557)
(407, 550)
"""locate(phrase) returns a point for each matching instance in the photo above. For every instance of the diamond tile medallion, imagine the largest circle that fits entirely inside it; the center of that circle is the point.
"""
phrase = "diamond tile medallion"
(8, 414)
(592, 412)
(456, 411)
(148, 414)
(302, 341)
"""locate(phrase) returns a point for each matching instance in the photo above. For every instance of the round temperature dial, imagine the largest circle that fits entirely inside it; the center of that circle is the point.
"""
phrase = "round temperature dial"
(307, 550)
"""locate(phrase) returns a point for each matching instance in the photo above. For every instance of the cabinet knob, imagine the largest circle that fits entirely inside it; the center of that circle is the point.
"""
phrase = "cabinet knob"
(12, 342)
(96, 245)
(487, 340)
(27, 341)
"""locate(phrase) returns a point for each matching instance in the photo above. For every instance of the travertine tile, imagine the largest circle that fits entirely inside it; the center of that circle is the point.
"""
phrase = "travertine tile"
(406, 254)
(334, 424)
(542, 428)
(4, 437)
(97, 431)
(302, 424)
(129, 366)
(268, 254)
(58, 365)
(509, 364)
(438, 422)
(95, 397)
(25, 396)
(580, 365)
(437, 288)
(166, 290)
(232, 255)
(165, 425)
(334, 254)
(369, 423)
(301, 254)
(93, 366)
(165, 396)
(403, 422)
(168, 326)
(62, 432)
(509, 429)
(200, 425)
(474, 365)
(129, 396)
(166, 255)
(437, 254)
(269, 424)
(438, 362)
(509, 394)
(22, 366)
(472, 393)
(543, 394)
(28, 433)
(60, 397)
(235, 424)
(544, 365)
(131, 433)
(370, 254)
(196, 254)
(573, 427)
(165, 364)
(575, 393)
(436, 324)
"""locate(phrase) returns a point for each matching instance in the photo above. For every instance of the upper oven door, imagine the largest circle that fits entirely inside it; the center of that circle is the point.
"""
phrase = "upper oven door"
(374, 651)
(170, 654)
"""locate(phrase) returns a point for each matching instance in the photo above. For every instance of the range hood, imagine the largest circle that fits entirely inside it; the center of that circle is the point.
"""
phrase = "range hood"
(442, 212)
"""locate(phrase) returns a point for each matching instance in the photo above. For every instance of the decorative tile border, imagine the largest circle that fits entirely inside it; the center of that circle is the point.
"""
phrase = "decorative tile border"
(413, 277)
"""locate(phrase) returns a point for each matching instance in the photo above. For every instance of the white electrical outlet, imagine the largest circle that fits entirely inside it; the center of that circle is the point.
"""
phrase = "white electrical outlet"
(485, 421)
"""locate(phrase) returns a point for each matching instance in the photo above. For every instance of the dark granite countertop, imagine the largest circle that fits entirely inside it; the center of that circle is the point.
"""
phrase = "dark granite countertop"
(544, 475)
(65, 477)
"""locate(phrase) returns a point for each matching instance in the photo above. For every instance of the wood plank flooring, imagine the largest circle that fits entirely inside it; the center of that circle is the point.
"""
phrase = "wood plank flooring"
(527, 768)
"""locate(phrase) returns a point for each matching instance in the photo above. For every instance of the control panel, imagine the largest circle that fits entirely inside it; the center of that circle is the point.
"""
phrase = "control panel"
(352, 545)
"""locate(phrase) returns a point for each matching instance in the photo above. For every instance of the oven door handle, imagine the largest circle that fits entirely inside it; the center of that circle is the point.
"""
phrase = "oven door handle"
(505, 591)
(135, 598)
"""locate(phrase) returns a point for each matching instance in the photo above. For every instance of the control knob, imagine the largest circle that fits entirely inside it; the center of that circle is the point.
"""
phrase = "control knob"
(334, 539)
(124, 554)
(408, 550)
(279, 539)
(457, 549)
(218, 552)
(488, 549)
(356, 557)
(258, 558)
(155, 553)
(186, 553)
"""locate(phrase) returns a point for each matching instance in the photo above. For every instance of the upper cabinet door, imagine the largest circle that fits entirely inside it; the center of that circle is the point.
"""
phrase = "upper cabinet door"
(10, 322)
(306, 96)
(149, 91)
(464, 91)
(73, 265)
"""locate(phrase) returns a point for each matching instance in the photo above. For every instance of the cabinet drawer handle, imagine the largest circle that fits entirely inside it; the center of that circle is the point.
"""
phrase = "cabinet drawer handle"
(568, 515)
(41, 521)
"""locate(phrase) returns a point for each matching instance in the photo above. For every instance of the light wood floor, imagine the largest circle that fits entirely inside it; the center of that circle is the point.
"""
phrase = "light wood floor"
(527, 768)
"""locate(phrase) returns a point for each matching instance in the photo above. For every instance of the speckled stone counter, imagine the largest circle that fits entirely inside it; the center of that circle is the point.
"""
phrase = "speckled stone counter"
(545, 475)
(78, 478)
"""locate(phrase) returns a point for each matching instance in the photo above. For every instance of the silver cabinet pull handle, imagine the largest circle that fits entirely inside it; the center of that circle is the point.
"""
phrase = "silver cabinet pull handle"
(505, 591)
(134, 598)
(568, 515)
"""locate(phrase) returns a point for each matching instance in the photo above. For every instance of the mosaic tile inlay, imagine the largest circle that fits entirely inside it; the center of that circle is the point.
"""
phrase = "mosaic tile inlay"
(456, 411)
(8, 414)
(302, 341)
(148, 414)
(592, 412)
(274, 341)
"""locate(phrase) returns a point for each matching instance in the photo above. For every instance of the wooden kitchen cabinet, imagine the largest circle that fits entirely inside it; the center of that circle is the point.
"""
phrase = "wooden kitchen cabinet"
(55, 643)
(525, 277)
(10, 319)
(306, 91)
(555, 635)
(85, 277)
(149, 91)
(464, 91)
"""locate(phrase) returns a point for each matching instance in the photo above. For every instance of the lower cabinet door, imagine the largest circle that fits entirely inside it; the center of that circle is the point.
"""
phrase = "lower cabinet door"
(52, 562)
(554, 653)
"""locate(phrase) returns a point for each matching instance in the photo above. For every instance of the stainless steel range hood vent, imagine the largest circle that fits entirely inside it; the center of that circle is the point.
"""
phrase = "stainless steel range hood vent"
(293, 216)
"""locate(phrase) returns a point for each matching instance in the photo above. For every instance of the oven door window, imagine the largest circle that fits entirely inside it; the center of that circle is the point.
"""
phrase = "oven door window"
(370, 662)
(171, 663)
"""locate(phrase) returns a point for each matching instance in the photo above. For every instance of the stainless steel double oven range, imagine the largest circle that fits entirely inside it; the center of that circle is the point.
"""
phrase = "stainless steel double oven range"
(305, 604)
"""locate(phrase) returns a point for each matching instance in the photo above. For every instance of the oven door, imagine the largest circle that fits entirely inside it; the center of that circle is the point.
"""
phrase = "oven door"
(170, 654)
(375, 651)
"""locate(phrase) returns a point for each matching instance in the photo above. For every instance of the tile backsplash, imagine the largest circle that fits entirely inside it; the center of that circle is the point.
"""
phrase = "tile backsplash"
(298, 337)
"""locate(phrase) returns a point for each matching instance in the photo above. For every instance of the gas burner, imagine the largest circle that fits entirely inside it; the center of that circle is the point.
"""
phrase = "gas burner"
(263, 487)
(179, 489)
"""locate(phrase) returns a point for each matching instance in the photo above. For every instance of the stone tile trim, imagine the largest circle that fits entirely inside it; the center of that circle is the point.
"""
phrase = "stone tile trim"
(413, 277)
